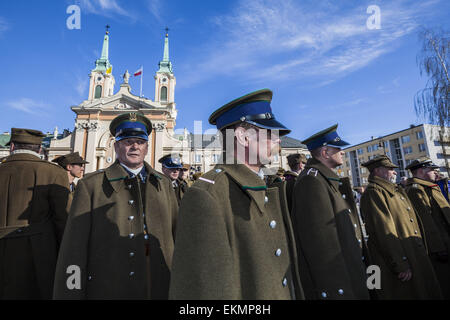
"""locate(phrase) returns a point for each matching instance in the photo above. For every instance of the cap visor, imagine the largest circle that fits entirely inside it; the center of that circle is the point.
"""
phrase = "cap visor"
(270, 124)
(340, 143)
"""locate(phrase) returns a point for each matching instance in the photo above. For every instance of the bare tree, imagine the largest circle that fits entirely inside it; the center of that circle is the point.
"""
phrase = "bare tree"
(433, 101)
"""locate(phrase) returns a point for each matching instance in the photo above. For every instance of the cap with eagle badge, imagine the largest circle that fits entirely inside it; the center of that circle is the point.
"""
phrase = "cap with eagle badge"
(327, 137)
(25, 136)
(379, 161)
(130, 125)
(171, 161)
(424, 162)
(253, 108)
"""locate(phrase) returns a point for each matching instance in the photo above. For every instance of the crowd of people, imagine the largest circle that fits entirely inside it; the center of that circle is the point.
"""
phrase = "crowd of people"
(131, 232)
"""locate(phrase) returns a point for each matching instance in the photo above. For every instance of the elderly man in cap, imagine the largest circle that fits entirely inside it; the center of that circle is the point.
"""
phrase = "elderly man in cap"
(396, 242)
(330, 241)
(434, 212)
(119, 238)
(33, 212)
(234, 237)
(73, 163)
(171, 167)
(296, 163)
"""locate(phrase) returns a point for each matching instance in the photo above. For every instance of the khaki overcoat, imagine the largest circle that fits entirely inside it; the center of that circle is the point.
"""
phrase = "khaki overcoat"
(330, 241)
(33, 212)
(434, 212)
(396, 242)
(105, 237)
(234, 240)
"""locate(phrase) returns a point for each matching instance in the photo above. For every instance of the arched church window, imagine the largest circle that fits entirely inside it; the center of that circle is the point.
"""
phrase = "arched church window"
(163, 93)
(98, 92)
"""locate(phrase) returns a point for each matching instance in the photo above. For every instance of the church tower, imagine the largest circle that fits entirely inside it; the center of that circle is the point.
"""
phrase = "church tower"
(102, 81)
(164, 78)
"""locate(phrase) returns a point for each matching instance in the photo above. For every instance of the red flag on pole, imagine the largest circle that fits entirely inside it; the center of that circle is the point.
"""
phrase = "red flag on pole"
(138, 73)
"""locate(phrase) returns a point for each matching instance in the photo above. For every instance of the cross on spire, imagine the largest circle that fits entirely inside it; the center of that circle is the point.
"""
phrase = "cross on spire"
(167, 31)
(107, 28)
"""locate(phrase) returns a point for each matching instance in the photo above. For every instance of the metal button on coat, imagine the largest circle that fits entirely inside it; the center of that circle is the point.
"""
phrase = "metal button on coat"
(324, 294)
(89, 278)
(131, 254)
(131, 273)
(130, 218)
(341, 292)
(278, 252)
(266, 199)
(130, 202)
(273, 224)
(131, 235)
(285, 282)
(344, 196)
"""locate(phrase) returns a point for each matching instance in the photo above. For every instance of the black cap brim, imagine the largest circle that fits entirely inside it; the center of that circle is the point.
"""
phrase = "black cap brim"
(270, 124)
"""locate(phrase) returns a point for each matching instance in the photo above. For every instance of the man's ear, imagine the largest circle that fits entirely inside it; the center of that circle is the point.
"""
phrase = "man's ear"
(241, 136)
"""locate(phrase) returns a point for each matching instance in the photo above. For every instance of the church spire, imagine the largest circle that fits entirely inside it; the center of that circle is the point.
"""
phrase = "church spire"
(103, 64)
(165, 65)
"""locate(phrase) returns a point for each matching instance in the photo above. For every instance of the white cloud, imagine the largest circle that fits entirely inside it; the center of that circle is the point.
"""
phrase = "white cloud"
(28, 105)
(106, 8)
(268, 39)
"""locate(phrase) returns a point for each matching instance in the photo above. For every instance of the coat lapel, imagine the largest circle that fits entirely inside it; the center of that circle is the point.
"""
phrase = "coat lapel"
(116, 176)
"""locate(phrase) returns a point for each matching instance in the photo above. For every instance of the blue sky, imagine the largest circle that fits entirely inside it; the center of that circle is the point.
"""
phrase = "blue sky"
(322, 62)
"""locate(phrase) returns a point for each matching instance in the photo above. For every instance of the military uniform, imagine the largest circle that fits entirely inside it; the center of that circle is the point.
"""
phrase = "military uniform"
(396, 241)
(170, 161)
(33, 213)
(330, 241)
(71, 158)
(120, 233)
(434, 212)
(291, 176)
(234, 237)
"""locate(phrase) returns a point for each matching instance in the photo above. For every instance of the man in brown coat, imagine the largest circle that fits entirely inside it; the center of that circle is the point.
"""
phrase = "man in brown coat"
(234, 237)
(171, 167)
(33, 213)
(119, 238)
(330, 241)
(434, 211)
(73, 163)
(296, 162)
(396, 242)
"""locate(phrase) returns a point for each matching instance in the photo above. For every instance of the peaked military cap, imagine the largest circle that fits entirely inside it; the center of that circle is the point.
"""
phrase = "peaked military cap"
(71, 158)
(296, 158)
(171, 161)
(422, 163)
(379, 161)
(130, 125)
(26, 136)
(253, 108)
(327, 137)
(186, 166)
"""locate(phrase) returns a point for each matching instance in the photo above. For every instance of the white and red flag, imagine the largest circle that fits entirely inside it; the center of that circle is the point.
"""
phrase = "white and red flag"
(139, 72)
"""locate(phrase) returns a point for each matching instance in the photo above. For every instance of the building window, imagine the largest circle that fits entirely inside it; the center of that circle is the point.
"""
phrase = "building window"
(276, 158)
(369, 149)
(422, 147)
(406, 139)
(98, 92)
(360, 151)
(198, 158)
(163, 93)
(215, 158)
(407, 150)
(375, 147)
(419, 135)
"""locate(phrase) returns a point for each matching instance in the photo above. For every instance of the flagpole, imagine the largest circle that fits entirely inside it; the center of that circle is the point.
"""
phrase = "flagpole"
(142, 76)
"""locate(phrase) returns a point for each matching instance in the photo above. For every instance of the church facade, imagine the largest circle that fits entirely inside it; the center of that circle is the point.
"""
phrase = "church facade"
(91, 136)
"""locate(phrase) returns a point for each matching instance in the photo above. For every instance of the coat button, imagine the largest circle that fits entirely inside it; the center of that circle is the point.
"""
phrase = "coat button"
(19, 230)
(349, 211)
(130, 202)
(355, 225)
(404, 258)
(129, 186)
(278, 252)
(131, 235)
(402, 198)
(273, 224)
(146, 237)
(409, 208)
(341, 292)
(131, 254)
(130, 218)
(89, 278)
(266, 199)
(131, 273)
(411, 220)
(415, 231)
(324, 294)
(284, 282)
(344, 196)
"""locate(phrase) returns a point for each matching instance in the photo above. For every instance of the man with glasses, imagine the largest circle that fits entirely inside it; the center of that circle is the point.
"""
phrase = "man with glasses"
(119, 238)
(74, 164)
(234, 237)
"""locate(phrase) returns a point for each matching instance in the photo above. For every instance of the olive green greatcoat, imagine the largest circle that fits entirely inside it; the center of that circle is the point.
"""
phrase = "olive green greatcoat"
(434, 212)
(33, 213)
(234, 240)
(396, 243)
(105, 237)
(330, 242)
